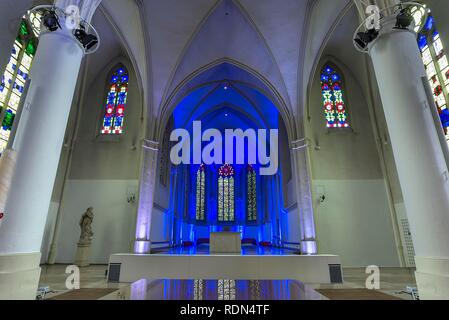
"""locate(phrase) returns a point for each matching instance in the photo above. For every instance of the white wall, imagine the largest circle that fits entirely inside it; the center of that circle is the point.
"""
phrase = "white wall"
(354, 222)
(113, 224)
(160, 225)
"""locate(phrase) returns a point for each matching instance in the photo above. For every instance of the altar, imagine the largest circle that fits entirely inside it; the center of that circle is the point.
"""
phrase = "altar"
(225, 242)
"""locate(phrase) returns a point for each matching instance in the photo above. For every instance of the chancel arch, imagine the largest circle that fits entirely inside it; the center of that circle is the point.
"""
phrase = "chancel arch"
(218, 72)
(217, 197)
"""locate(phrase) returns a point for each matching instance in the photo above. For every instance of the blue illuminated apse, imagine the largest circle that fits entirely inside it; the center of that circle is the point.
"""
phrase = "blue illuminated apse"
(227, 97)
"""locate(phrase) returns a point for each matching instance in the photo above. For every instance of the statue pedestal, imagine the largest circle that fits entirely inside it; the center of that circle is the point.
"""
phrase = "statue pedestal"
(83, 255)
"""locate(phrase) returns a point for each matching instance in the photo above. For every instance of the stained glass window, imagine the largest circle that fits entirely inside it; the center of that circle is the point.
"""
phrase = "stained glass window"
(333, 98)
(226, 290)
(201, 193)
(199, 290)
(226, 205)
(435, 61)
(114, 116)
(251, 209)
(13, 80)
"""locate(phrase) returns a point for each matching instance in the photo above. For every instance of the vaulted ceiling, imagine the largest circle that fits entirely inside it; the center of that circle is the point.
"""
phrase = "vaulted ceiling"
(171, 39)
(168, 41)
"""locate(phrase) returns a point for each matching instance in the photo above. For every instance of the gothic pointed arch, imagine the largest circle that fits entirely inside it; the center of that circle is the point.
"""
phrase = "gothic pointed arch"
(334, 101)
(113, 121)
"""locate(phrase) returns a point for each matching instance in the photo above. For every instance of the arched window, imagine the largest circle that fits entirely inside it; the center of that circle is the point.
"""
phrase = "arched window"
(199, 290)
(14, 79)
(435, 61)
(201, 194)
(333, 98)
(114, 115)
(226, 199)
(251, 208)
(226, 290)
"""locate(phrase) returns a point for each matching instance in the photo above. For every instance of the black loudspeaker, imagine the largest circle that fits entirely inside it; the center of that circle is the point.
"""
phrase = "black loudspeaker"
(336, 273)
(114, 272)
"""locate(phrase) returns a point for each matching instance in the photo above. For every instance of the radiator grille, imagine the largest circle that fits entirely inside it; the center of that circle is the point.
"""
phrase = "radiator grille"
(409, 248)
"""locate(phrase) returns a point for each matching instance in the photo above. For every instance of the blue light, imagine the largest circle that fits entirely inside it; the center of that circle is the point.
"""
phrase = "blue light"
(429, 23)
(422, 42)
(435, 35)
(329, 70)
(444, 116)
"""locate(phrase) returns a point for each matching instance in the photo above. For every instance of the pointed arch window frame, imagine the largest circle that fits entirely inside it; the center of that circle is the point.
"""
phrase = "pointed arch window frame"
(116, 102)
(335, 102)
(435, 60)
(15, 77)
(226, 194)
(200, 207)
(251, 195)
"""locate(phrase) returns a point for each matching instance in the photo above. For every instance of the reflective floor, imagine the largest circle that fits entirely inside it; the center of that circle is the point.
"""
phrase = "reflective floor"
(246, 250)
(393, 281)
(221, 290)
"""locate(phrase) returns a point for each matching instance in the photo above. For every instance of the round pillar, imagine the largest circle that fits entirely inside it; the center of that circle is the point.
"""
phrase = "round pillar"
(53, 80)
(146, 197)
(418, 153)
(304, 197)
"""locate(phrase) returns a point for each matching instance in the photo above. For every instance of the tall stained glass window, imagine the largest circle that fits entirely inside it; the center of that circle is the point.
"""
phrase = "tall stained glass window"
(226, 205)
(199, 290)
(435, 61)
(13, 80)
(333, 98)
(226, 290)
(114, 116)
(251, 208)
(201, 194)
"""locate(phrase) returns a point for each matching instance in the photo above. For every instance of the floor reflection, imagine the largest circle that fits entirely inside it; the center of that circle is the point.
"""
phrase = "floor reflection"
(246, 250)
(222, 290)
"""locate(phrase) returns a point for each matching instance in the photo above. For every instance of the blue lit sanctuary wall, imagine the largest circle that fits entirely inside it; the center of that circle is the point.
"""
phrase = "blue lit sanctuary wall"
(221, 106)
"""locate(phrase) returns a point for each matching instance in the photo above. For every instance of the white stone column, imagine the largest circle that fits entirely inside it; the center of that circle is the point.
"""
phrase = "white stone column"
(418, 153)
(301, 174)
(146, 197)
(54, 76)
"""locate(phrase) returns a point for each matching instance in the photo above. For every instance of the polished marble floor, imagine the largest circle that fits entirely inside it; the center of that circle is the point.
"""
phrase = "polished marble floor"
(393, 280)
(220, 290)
(246, 250)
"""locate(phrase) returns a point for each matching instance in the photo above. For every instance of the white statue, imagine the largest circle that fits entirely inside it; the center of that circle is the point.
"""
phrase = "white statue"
(86, 226)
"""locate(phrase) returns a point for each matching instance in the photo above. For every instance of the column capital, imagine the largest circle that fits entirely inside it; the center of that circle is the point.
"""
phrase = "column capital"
(373, 28)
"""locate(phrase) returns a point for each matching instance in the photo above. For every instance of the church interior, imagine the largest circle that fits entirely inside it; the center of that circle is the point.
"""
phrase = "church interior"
(92, 92)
